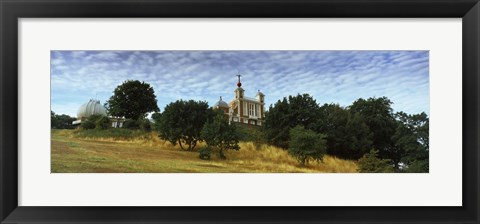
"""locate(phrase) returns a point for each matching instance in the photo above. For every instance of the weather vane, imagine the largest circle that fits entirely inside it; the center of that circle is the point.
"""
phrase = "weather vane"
(239, 84)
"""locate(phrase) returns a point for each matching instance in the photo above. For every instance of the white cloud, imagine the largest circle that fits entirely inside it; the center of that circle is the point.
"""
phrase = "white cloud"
(331, 76)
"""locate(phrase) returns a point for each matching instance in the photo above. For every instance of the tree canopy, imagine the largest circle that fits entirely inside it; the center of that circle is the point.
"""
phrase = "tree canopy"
(133, 100)
(182, 121)
(220, 135)
(288, 113)
(348, 136)
(351, 132)
(411, 140)
(378, 116)
(61, 121)
(306, 145)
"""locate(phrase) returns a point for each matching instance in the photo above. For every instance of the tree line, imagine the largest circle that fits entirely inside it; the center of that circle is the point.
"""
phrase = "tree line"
(62, 121)
(367, 130)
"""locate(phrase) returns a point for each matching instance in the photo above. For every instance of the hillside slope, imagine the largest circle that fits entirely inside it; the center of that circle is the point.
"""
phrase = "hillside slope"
(76, 152)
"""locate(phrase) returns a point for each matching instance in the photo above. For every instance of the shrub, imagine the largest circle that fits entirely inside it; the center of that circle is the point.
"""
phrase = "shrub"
(131, 124)
(371, 163)
(145, 124)
(306, 145)
(205, 153)
(87, 125)
(95, 117)
(102, 123)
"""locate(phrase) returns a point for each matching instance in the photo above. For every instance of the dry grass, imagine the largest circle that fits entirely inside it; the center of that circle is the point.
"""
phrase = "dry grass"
(146, 153)
(270, 159)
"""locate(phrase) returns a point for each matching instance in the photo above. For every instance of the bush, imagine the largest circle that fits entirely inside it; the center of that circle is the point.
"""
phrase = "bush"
(306, 145)
(145, 124)
(87, 125)
(102, 123)
(131, 124)
(371, 163)
(205, 153)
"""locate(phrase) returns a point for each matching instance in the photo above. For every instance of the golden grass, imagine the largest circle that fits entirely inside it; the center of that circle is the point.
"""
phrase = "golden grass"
(149, 154)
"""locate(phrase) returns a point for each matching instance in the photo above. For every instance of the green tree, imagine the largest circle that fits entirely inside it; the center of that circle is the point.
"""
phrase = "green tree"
(306, 145)
(182, 121)
(359, 137)
(333, 122)
(219, 136)
(156, 117)
(132, 100)
(371, 163)
(61, 121)
(288, 113)
(417, 166)
(378, 116)
(411, 140)
(348, 136)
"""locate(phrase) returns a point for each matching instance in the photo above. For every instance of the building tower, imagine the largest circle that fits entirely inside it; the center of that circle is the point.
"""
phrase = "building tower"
(245, 109)
(239, 91)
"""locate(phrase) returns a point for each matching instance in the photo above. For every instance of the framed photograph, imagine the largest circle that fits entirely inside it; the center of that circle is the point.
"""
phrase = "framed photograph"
(246, 112)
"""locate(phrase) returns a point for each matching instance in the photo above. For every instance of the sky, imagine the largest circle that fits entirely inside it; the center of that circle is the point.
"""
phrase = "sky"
(329, 76)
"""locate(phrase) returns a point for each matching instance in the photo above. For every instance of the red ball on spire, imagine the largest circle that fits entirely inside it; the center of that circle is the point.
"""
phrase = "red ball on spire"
(239, 83)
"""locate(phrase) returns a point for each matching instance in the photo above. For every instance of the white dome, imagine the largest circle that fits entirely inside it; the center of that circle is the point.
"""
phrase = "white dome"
(221, 103)
(90, 108)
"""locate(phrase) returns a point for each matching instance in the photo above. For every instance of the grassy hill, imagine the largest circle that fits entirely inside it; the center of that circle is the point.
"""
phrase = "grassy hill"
(126, 151)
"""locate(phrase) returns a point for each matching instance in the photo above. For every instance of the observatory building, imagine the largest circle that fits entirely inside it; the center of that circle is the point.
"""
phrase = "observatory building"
(243, 109)
(93, 107)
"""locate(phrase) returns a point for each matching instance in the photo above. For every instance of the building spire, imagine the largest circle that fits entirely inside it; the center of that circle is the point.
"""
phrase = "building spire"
(239, 84)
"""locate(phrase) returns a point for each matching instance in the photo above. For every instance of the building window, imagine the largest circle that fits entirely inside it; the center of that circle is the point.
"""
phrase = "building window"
(245, 113)
(251, 110)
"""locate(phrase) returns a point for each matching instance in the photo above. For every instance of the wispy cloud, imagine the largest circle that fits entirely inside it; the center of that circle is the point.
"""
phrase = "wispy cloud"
(330, 76)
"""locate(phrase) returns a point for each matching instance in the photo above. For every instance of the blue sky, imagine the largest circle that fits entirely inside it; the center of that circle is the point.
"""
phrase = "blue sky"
(329, 76)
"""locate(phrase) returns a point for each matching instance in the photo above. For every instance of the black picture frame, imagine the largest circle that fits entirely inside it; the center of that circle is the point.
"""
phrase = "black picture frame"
(11, 11)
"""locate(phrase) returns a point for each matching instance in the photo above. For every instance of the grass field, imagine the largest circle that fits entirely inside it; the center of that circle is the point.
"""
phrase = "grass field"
(95, 151)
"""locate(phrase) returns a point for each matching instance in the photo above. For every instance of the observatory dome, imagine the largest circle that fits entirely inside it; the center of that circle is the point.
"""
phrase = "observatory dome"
(90, 108)
(221, 104)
